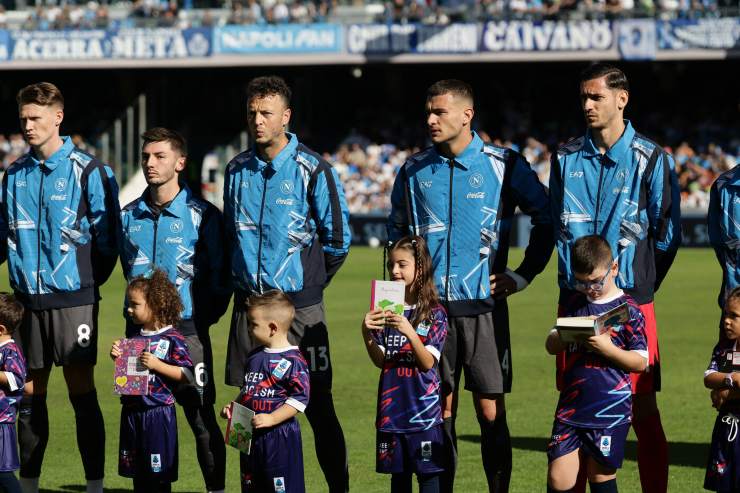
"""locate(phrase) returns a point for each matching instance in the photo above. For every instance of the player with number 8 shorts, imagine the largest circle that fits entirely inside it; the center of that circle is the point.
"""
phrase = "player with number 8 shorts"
(287, 221)
(168, 228)
(58, 228)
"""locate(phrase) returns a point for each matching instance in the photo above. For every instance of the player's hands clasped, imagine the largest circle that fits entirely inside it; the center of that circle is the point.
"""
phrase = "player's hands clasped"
(374, 320)
(502, 285)
(149, 360)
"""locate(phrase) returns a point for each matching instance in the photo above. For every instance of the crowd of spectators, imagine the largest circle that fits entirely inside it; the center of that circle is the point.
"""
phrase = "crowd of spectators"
(60, 14)
(368, 172)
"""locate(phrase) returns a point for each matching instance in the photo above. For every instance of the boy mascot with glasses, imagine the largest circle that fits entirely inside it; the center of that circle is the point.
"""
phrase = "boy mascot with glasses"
(594, 412)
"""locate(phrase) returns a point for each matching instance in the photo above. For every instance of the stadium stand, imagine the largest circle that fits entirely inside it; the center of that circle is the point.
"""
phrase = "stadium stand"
(54, 15)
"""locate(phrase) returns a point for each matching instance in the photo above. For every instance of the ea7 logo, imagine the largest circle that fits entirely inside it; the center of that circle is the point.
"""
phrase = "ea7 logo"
(476, 181)
(575, 174)
(426, 184)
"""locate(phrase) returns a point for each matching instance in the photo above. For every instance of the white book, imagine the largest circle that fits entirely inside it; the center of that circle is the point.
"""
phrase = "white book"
(388, 295)
(578, 329)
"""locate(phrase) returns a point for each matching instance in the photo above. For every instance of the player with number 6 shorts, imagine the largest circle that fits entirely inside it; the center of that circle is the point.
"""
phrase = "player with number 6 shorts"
(168, 228)
(58, 227)
(287, 222)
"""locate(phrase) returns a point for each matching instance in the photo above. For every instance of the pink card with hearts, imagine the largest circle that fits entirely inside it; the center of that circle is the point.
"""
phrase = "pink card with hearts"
(131, 377)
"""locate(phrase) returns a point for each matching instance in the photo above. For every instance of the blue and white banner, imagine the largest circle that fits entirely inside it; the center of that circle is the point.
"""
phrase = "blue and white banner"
(285, 38)
(637, 39)
(517, 36)
(707, 34)
(411, 38)
(98, 44)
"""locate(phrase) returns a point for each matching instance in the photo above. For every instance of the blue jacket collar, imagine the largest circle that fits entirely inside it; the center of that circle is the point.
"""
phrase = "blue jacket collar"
(736, 176)
(175, 208)
(58, 157)
(467, 157)
(283, 156)
(617, 152)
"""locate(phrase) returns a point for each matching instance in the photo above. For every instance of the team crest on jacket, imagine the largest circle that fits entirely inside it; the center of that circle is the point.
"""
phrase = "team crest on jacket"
(286, 187)
(60, 184)
(476, 181)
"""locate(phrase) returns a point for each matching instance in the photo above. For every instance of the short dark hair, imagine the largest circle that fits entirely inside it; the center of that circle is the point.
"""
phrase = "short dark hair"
(269, 85)
(589, 253)
(42, 94)
(11, 312)
(450, 86)
(615, 78)
(734, 295)
(278, 304)
(161, 134)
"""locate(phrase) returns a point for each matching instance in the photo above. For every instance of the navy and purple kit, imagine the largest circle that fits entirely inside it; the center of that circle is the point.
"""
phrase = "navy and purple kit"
(13, 365)
(409, 414)
(723, 466)
(148, 438)
(594, 411)
(275, 377)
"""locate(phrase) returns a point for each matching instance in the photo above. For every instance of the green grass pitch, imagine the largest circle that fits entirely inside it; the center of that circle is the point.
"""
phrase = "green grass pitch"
(687, 316)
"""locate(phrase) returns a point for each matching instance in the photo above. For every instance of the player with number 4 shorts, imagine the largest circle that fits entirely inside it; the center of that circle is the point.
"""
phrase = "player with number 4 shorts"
(168, 228)
(58, 227)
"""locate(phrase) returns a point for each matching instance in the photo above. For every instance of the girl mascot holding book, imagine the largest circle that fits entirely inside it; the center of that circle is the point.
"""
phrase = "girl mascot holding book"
(148, 439)
(407, 347)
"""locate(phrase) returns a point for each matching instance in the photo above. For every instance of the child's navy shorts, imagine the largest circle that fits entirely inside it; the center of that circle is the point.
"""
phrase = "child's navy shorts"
(8, 448)
(605, 446)
(421, 452)
(275, 461)
(148, 443)
(723, 466)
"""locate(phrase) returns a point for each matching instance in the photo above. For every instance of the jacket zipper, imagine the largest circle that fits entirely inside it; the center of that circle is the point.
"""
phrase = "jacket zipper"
(449, 235)
(259, 244)
(154, 252)
(38, 234)
(598, 195)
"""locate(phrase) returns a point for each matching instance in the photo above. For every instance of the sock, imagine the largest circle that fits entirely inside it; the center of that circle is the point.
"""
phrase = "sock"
(447, 477)
(495, 448)
(94, 486)
(605, 487)
(581, 479)
(209, 446)
(90, 433)
(331, 450)
(428, 483)
(29, 485)
(652, 454)
(33, 435)
(401, 482)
